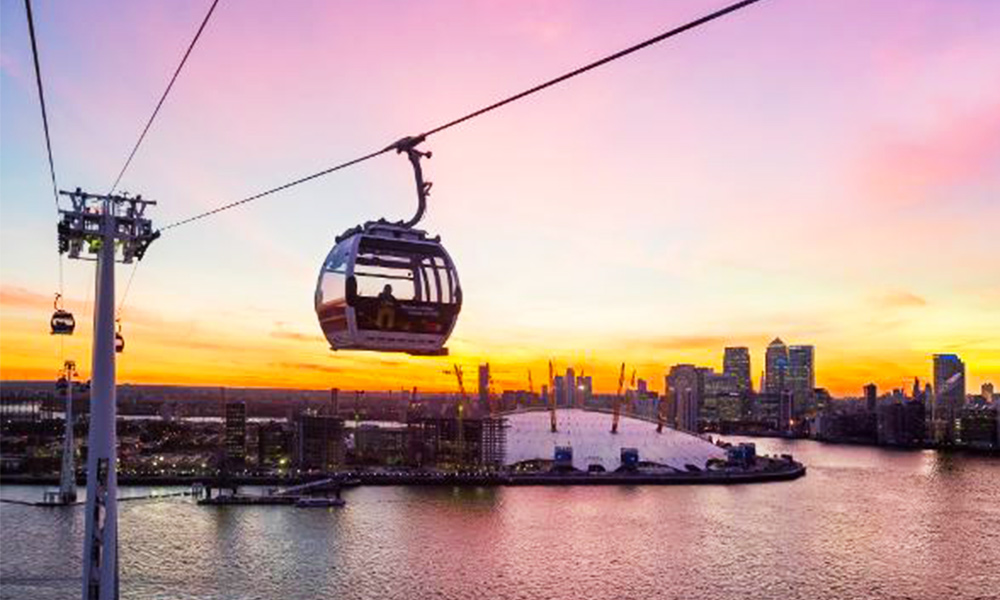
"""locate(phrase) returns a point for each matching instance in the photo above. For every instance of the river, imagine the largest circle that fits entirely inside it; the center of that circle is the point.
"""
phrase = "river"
(863, 523)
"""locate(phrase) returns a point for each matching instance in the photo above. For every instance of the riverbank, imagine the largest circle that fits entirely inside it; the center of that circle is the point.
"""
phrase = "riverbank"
(943, 448)
(779, 470)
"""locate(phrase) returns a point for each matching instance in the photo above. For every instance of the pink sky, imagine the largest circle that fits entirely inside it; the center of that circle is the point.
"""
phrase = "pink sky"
(827, 172)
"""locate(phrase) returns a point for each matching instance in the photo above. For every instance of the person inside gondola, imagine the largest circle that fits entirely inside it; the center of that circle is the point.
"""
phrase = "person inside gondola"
(386, 318)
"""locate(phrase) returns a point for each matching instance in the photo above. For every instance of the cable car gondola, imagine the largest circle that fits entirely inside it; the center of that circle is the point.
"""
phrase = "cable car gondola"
(389, 287)
(62, 322)
(119, 340)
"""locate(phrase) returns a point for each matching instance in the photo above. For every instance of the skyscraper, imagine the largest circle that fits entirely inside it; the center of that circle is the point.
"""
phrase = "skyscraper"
(776, 367)
(736, 362)
(559, 390)
(687, 387)
(871, 397)
(721, 397)
(235, 436)
(570, 388)
(585, 385)
(801, 376)
(949, 383)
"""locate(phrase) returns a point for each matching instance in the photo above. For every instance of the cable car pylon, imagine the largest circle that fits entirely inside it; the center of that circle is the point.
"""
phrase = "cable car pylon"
(67, 473)
(96, 228)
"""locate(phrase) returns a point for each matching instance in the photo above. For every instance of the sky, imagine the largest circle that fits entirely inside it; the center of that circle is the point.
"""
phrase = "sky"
(827, 172)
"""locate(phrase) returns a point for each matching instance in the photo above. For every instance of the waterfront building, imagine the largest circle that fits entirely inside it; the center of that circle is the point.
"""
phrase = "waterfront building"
(767, 410)
(871, 397)
(775, 367)
(335, 401)
(687, 387)
(452, 443)
(380, 444)
(730, 408)
(736, 363)
(823, 399)
(571, 394)
(978, 427)
(319, 442)
(949, 384)
(274, 445)
(787, 411)
(484, 388)
(669, 409)
(585, 387)
(913, 430)
(721, 390)
(235, 436)
(801, 377)
(559, 390)
(901, 423)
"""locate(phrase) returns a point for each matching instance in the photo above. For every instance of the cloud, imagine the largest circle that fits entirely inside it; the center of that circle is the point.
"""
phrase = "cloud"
(296, 336)
(299, 366)
(16, 297)
(683, 342)
(900, 299)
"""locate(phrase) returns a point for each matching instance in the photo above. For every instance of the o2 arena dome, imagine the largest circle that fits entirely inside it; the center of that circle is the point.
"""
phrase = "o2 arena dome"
(588, 434)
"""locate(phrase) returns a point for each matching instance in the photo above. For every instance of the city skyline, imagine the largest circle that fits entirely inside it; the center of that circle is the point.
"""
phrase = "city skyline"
(836, 255)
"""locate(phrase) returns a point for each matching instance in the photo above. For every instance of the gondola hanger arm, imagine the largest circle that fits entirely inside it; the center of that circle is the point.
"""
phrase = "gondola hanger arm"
(409, 146)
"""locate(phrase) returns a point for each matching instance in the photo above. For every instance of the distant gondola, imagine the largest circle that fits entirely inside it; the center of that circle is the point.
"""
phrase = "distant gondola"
(119, 339)
(389, 287)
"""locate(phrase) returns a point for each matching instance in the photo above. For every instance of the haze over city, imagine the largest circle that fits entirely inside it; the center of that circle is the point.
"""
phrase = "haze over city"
(825, 178)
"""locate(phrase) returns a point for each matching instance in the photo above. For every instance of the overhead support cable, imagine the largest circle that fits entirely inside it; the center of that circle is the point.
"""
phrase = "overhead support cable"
(41, 101)
(166, 92)
(45, 124)
(400, 145)
(145, 130)
(277, 189)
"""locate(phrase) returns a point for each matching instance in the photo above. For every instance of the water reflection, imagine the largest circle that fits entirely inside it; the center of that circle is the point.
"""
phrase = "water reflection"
(864, 523)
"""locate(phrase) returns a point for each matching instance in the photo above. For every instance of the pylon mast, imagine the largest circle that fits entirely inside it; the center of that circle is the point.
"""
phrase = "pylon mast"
(67, 475)
(552, 399)
(101, 225)
(618, 400)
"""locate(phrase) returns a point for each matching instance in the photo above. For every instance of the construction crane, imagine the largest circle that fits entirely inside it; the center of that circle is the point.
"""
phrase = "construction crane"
(553, 423)
(618, 400)
(631, 386)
